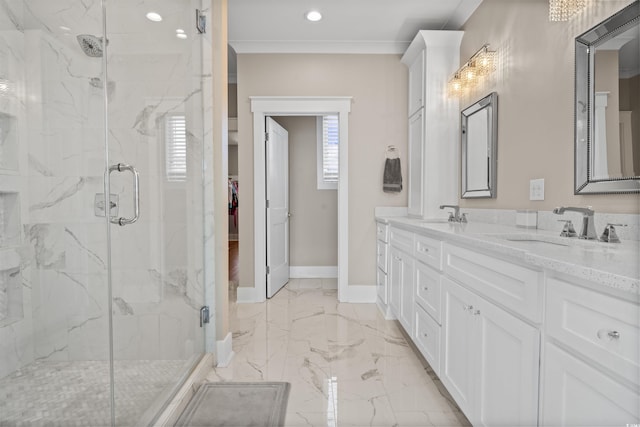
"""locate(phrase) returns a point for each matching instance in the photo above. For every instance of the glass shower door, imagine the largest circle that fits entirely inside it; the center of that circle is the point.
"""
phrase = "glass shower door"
(99, 322)
(54, 311)
(155, 134)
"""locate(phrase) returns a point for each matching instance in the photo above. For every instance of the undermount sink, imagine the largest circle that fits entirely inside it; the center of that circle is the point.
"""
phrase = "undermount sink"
(532, 238)
(435, 221)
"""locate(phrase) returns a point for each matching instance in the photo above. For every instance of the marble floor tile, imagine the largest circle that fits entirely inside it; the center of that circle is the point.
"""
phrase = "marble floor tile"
(429, 419)
(347, 365)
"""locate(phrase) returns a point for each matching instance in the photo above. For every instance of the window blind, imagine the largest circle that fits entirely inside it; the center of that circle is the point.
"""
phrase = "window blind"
(330, 148)
(176, 147)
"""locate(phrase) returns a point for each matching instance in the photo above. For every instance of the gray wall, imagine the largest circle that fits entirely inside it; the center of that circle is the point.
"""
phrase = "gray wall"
(314, 213)
(378, 117)
(535, 85)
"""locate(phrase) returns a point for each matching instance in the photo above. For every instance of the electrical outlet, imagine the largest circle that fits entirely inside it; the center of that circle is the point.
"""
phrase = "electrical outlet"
(536, 189)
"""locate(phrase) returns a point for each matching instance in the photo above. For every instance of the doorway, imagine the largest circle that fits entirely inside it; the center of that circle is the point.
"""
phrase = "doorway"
(313, 197)
(262, 107)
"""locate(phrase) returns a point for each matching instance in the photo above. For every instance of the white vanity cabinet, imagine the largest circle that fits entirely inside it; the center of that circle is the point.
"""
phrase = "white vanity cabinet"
(577, 394)
(490, 350)
(414, 289)
(416, 171)
(382, 264)
(457, 368)
(516, 341)
(401, 266)
(431, 58)
(417, 69)
(489, 360)
(591, 357)
(426, 283)
(400, 300)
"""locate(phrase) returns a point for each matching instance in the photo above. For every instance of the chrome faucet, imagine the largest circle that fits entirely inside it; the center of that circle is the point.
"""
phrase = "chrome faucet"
(588, 230)
(455, 215)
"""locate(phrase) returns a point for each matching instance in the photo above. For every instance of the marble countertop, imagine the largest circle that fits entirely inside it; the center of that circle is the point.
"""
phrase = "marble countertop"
(613, 265)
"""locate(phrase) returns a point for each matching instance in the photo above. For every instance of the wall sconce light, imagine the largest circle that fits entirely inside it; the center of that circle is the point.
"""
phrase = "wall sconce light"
(481, 64)
(563, 10)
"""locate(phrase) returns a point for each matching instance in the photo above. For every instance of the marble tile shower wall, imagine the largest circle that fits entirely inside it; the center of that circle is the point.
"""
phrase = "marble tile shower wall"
(16, 344)
(157, 264)
(158, 296)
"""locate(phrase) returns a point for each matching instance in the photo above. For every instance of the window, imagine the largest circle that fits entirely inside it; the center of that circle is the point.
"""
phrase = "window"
(175, 131)
(328, 151)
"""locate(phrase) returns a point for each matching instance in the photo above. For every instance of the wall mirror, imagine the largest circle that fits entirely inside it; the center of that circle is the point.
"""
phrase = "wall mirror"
(479, 127)
(607, 105)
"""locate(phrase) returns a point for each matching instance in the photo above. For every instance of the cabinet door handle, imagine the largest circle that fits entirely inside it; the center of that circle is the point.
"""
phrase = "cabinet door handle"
(424, 334)
(423, 249)
(612, 335)
(476, 313)
(425, 288)
(467, 307)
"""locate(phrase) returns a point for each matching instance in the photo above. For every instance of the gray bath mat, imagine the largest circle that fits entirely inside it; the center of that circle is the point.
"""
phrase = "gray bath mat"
(237, 405)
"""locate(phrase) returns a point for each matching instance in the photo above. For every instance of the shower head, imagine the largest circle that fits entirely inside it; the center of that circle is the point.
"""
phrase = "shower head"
(91, 45)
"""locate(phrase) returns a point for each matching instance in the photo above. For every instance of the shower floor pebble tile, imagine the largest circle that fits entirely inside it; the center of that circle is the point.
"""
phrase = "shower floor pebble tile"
(347, 365)
(70, 394)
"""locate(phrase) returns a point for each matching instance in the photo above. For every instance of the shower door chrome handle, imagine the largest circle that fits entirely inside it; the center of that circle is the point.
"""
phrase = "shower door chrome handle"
(121, 167)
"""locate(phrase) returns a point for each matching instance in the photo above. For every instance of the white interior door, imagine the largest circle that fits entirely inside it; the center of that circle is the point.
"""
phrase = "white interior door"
(277, 167)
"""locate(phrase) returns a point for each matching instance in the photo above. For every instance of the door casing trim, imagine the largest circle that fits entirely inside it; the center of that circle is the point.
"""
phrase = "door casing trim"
(263, 106)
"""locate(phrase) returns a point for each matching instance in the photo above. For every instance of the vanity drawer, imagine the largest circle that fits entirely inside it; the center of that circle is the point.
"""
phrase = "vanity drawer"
(429, 251)
(598, 326)
(381, 250)
(517, 288)
(427, 282)
(401, 239)
(382, 232)
(427, 338)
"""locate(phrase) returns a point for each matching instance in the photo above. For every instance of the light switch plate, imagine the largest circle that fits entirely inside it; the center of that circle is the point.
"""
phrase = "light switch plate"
(536, 189)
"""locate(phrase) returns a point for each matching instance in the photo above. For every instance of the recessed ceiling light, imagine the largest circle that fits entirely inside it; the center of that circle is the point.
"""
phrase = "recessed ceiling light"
(153, 16)
(181, 35)
(63, 28)
(179, 31)
(313, 16)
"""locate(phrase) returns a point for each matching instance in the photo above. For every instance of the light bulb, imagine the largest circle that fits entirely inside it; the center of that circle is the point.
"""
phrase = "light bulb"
(313, 16)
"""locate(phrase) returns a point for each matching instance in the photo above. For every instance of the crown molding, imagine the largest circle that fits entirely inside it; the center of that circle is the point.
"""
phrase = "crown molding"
(312, 46)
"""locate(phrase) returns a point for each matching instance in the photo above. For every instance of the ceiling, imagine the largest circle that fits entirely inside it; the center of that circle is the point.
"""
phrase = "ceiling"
(348, 26)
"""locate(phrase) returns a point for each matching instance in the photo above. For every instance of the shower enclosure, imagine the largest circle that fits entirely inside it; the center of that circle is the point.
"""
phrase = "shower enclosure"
(103, 188)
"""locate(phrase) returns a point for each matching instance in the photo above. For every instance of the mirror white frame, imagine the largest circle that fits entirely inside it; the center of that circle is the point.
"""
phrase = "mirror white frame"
(586, 181)
(479, 140)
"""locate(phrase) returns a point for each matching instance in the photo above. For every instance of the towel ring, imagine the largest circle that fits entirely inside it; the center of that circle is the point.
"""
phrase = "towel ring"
(392, 152)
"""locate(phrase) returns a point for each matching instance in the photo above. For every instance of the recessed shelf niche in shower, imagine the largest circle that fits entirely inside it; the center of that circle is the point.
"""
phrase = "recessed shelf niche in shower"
(8, 142)
(11, 304)
(10, 277)
(9, 219)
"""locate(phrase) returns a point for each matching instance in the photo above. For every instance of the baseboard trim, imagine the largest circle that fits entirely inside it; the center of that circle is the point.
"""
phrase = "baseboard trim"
(313, 272)
(224, 351)
(353, 294)
(359, 294)
(385, 310)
